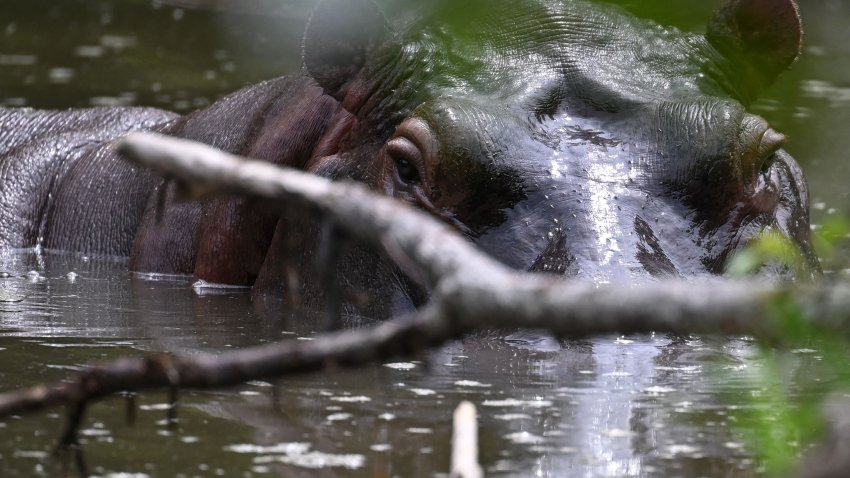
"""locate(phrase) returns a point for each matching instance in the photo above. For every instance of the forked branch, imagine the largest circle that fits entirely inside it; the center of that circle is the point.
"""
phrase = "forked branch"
(471, 291)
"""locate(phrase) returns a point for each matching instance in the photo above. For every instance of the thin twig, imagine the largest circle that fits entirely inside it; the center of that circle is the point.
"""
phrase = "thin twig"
(465, 443)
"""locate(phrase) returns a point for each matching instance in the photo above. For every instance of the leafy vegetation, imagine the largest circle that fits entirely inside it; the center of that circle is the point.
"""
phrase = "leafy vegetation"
(791, 383)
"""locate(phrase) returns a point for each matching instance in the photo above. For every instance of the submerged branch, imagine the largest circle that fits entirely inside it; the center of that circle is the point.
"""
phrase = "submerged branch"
(342, 348)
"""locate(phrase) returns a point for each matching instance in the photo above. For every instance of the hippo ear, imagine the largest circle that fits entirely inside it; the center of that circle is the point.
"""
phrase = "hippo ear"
(338, 39)
(764, 34)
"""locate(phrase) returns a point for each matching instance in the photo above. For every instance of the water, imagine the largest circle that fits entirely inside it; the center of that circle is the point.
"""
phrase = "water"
(612, 406)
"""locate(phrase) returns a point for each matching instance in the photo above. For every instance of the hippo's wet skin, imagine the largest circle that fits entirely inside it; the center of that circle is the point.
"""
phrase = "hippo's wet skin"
(560, 136)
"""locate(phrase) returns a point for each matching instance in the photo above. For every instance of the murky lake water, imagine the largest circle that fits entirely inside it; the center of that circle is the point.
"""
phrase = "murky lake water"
(612, 406)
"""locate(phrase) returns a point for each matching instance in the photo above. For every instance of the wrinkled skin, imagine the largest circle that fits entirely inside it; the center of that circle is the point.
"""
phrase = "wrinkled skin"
(559, 136)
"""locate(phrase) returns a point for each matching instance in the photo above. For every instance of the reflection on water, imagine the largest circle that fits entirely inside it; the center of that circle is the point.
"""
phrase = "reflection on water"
(627, 406)
(612, 406)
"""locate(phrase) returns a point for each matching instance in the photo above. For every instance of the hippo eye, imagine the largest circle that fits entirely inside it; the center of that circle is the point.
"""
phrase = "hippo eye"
(407, 158)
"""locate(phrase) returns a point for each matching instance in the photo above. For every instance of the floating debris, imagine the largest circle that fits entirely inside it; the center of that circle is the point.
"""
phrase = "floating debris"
(512, 402)
(401, 365)
(472, 383)
(11, 297)
(420, 431)
(338, 417)
(524, 438)
(351, 399)
(423, 392)
(298, 454)
(659, 390)
(509, 417)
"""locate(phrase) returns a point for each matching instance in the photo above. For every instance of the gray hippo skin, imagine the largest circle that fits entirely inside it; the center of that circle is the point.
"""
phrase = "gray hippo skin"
(560, 136)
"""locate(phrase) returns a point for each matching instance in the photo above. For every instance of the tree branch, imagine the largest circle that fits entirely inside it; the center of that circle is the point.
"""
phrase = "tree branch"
(471, 291)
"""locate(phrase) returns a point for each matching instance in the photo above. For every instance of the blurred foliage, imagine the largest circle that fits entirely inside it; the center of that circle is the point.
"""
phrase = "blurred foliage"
(790, 383)
(829, 238)
(770, 247)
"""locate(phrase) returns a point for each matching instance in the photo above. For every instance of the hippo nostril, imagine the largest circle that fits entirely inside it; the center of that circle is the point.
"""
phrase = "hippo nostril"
(760, 142)
(770, 143)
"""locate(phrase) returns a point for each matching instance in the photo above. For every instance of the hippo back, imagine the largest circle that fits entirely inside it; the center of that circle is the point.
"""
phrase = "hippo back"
(41, 152)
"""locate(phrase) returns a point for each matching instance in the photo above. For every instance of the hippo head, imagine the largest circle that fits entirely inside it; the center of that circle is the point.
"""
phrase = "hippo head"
(569, 137)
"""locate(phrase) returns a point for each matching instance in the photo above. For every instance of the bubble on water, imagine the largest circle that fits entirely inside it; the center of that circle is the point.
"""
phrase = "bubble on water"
(31, 454)
(10, 297)
(512, 402)
(420, 431)
(423, 392)
(524, 438)
(117, 42)
(617, 433)
(60, 75)
(89, 51)
(285, 448)
(617, 374)
(471, 383)
(338, 417)
(94, 432)
(682, 450)
(14, 101)
(509, 417)
(203, 288)
(658, 390)
(18, 60)
(123, 99)
(351, 399)
(401, 365)
(300, 456)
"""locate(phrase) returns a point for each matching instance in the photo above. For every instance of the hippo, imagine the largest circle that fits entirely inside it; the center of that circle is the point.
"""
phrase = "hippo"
(560, 136)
